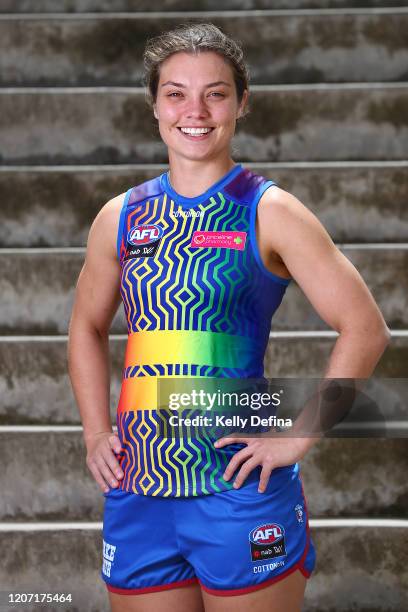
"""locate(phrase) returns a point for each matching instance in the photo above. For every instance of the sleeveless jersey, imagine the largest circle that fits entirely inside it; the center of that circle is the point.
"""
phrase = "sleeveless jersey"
(199, 303)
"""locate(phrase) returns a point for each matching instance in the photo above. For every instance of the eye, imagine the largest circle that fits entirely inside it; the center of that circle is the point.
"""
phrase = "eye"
(217, 93)
(172, 94)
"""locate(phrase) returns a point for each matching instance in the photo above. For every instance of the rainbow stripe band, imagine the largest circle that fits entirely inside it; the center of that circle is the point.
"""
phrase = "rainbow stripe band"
(138, 393)
(190, 346)
(183, 347)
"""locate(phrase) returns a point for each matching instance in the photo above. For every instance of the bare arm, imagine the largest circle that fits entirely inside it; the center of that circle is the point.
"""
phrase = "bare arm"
(334, 287)
(329, 280)
(97, 297)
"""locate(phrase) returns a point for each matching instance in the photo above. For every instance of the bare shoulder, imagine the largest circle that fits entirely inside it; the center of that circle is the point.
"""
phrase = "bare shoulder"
(288, 221)
(104, 228)
(112, 208)
(97, 294)
(283, 206)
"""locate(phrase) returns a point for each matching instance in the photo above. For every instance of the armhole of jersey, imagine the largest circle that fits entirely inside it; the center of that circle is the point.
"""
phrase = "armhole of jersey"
(252, 236)
(122, 221)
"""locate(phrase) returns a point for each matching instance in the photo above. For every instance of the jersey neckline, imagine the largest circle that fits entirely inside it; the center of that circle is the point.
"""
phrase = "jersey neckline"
(189, 202)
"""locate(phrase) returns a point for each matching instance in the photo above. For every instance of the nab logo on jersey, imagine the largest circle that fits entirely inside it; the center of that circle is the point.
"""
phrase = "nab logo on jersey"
(267, 541)
(143, 241)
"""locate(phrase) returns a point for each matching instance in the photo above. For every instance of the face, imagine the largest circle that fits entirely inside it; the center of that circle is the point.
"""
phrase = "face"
(197, 91)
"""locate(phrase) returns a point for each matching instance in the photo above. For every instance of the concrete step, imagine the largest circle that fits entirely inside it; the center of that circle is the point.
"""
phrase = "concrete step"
(114, 125)
(368, 557)
(342, 475)
(318, 47)
(356, 201)
(372, 562)
(201, 6)
(38, 286)
(35, 387)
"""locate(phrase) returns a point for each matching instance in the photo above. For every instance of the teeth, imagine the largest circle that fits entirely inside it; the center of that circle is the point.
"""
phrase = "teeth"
(195, 130)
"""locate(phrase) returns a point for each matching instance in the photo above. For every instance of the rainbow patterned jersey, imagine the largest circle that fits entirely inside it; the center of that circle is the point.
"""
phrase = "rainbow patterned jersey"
(199, 303)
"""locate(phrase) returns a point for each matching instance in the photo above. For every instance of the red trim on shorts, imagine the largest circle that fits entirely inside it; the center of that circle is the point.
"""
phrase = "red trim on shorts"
(303, 569)
(253, 587)
(153, 589)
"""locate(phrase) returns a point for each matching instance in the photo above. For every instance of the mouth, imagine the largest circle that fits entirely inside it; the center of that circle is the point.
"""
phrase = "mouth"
(190, 136)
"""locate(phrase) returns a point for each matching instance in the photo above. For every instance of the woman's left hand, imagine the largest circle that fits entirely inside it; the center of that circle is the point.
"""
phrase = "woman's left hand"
(269, 452)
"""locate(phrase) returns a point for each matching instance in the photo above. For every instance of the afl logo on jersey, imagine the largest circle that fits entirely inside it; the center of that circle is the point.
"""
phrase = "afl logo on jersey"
(143, 241)
(267, 541)
(144, 234)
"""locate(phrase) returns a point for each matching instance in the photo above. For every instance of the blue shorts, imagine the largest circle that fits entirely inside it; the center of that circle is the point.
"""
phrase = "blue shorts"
(231, 542)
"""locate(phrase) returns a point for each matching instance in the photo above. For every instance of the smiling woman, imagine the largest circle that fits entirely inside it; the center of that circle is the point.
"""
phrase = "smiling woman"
(208, 307)
(199, 293)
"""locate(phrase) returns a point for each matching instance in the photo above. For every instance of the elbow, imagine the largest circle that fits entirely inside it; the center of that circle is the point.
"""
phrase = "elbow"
(81, 327)
(381, 336)
(378, 334)
(382, 333)
(387, 336)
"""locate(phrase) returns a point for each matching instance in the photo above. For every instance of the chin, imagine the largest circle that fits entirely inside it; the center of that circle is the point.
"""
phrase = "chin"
(194, 155)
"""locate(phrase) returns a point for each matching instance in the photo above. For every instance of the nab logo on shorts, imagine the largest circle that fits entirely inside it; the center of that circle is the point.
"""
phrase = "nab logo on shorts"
(267, 542)
(143, 240)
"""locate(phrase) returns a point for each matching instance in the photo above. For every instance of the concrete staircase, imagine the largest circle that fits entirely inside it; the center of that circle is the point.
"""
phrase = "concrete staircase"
(329, 123)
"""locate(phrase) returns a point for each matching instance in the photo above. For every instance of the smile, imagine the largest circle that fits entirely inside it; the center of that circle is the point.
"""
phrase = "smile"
(196, 133)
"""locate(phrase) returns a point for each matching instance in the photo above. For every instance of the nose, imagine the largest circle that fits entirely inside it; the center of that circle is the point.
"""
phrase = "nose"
(197, 108)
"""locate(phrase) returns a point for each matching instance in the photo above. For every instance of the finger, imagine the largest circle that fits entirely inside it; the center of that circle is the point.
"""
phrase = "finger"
(106, 472)
(93, 468)
(247, 467)
(229, 440)
(116, 447)
(222, 442)
(264, 477)
(236, 460)
(112, 462)
(115, 444)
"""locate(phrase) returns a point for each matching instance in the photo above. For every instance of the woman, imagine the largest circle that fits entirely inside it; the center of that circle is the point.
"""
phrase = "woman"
(201, 257)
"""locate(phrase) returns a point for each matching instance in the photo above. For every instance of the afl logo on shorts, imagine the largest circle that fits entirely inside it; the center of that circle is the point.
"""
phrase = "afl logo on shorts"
(143, 241)
(267, 542)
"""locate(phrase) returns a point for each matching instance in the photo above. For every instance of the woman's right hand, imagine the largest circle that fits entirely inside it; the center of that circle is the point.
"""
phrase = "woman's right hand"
(101, 460)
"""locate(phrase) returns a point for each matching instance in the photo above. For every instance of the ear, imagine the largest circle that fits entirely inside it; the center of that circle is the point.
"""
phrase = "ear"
(155, 111)
(243, 104)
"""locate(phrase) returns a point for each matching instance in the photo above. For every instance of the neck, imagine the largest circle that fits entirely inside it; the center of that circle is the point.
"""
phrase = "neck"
(190, 180)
